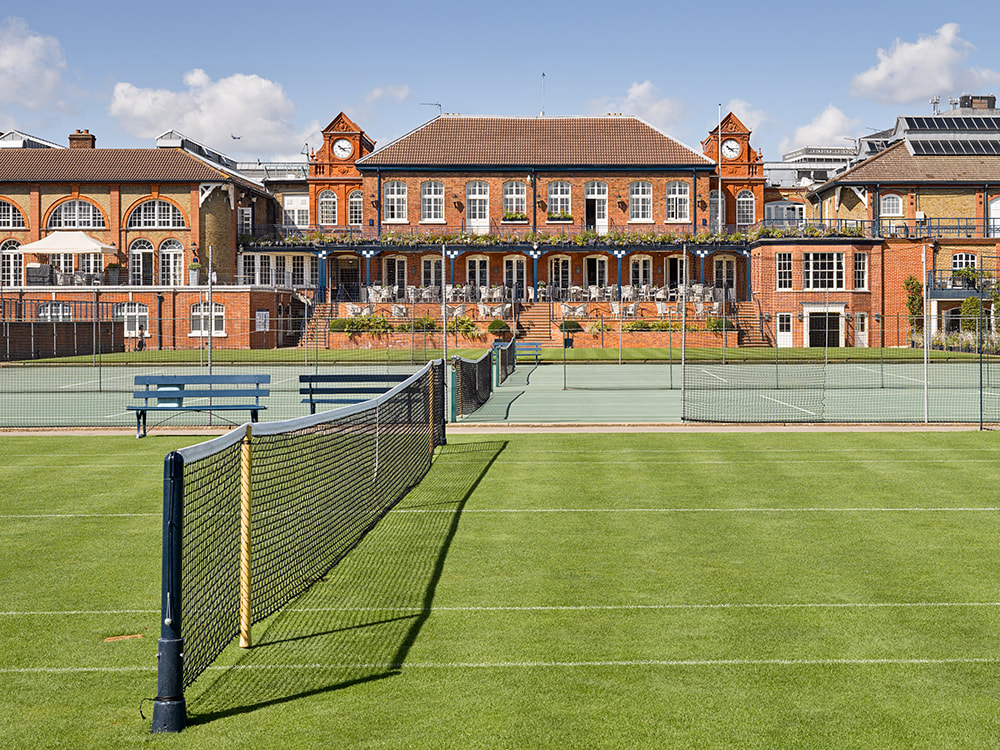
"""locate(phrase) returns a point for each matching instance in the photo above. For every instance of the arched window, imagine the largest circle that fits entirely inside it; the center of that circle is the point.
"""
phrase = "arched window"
(171, 262)
(327, 205)
(11, 264)
(355, 208)
(640, 201)
(140, 263)
(432, 201)
(677, 201)
(10, 216)
(963, 260)
(745, 208)
(891, 205)
(76, 214)
(515, 204)
(207, 319)
(156, 214)
(559, 201)
(135, 315)
(394, 201)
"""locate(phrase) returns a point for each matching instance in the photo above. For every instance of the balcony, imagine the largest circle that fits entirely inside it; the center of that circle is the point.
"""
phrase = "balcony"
(958, 285)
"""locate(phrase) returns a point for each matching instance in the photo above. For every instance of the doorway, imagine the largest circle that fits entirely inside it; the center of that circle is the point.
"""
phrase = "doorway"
(784, 331)
(824, 330)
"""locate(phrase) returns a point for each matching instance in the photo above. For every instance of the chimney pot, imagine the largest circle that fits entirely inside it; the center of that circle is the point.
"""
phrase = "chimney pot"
(82, 139)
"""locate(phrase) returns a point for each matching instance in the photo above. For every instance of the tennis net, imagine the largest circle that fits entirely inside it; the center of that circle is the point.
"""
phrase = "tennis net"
(473, 383)
(254, 518)
(506, 360)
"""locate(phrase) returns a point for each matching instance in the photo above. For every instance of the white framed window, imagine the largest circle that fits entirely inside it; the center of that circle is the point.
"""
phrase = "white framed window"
(395, 272)
(135, 316)
(62, 262)
(560, 204)
(559, 272)
(430, 272)
(678, 203)
(860, 270)
(11, 264)
(140, 262)
(298, 270)
(515, 200)
(10, 216)
(355, 208)
(890, 205)
(477, 271)
(171, 262)
(783, 263)
(823, 271)
(783, 213)
(207, 319)
(724, 268)
(477, 201)
(326, 205)
(54, 311)
(76, 214)
(746, 207)
(641, 270)
(432, 201)
(266, 276)
(248, 269)
(244, 219)
(716, 210)
(156, 214)
(640, 201)
(963, 260)
(92, 263)
(313, 270)
(394, 201)
(295, 210)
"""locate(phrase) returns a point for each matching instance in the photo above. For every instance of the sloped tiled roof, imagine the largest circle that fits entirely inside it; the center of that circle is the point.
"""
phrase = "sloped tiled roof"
(897, 164)
(113, 165)
(453, 141)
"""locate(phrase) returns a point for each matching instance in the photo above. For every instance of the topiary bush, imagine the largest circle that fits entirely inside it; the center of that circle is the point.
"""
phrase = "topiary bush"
(498, 327)
(570, 326)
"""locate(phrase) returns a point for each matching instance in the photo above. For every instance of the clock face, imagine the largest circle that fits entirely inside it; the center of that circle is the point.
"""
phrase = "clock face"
(730, 148)
(342, 148)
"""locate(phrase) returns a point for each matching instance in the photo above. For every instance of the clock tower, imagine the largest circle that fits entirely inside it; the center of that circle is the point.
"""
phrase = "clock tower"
(741, 169)
(332, 171)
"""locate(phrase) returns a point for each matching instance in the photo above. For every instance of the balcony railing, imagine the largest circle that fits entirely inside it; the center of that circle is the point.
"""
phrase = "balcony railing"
(950, 284)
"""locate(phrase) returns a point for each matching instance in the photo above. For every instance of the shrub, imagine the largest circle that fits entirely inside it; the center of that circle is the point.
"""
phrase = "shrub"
(570, 326)
(599, 328)
(971, 308)
(497, 327)
(664, 325)
(638, 325)
(719, 324)
(424, 323)
(373, 324)
(465, 326)
(338, 324)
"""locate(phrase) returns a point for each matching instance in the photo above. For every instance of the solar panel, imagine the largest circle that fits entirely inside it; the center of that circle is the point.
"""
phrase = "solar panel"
(962, 147)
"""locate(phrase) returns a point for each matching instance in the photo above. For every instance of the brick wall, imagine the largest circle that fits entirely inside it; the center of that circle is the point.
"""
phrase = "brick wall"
(37, 339)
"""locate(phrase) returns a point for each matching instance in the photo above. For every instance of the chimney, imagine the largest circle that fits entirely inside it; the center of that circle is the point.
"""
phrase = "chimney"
(82, 139)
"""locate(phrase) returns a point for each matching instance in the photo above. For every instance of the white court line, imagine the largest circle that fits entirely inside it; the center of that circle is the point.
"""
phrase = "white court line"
(790, 406)
(80, 515)
(700, 510)
(540, 664)
(920, 381)
(713, 375)
(51, 612)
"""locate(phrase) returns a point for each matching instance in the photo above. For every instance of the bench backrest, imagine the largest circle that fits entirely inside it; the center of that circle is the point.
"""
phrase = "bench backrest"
(327, 384)
(175, 388)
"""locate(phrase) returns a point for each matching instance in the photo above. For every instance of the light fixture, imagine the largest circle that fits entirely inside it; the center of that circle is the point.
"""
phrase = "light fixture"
(801, 317)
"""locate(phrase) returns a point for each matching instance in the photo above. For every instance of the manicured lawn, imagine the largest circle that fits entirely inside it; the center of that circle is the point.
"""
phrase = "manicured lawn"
(819, 590)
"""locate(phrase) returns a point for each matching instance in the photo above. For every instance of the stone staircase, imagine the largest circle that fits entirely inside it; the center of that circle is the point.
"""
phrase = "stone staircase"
(753, 331)
(319, 324)
(533, 324)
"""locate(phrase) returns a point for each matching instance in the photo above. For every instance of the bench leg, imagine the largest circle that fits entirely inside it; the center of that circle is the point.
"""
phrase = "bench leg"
(140, 424)
(253, 416)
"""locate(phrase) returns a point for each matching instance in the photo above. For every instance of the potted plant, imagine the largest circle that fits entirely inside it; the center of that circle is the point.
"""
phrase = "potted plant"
(194, 272)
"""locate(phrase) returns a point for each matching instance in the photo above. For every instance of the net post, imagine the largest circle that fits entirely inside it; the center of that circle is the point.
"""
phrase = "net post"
(454, 389)
(432, 412)
(169, 710)
(245, 498)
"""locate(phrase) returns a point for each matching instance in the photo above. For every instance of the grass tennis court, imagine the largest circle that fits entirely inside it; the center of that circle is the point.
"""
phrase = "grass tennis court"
(589, 590)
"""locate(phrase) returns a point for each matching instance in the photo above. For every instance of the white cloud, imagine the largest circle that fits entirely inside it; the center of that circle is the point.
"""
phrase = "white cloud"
(399, 93)
(253, 108)
(831, 127)
(31, 66)
(933, 65)
(643, 100)
(754, 119)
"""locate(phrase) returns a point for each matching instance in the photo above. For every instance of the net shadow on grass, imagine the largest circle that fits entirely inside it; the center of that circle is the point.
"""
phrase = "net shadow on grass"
(360, 621)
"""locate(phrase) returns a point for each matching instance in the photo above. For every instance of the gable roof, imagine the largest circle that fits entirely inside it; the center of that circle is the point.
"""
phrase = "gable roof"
(457, 141)
(897, 165)
(95, 165)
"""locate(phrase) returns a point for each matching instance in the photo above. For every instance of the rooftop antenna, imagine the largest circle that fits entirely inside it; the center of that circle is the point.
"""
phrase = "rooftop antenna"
(543, 96)
(935, 101)
(432, 104)
(305, 151)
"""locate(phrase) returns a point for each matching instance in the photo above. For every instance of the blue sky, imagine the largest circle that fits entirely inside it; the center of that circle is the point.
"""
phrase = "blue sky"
(274, 74)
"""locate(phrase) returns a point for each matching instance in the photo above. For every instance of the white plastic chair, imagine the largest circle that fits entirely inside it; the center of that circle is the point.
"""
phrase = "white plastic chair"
(595, 292)
(616, 308)
(399, 311)
(580, 311)
(661, 308)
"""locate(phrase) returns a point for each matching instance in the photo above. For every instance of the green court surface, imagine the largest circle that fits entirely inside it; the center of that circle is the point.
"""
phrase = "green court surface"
(769, 590)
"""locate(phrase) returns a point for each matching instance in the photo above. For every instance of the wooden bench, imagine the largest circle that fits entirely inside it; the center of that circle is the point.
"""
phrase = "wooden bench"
(345, 388)
(170, 393)
(528, 349)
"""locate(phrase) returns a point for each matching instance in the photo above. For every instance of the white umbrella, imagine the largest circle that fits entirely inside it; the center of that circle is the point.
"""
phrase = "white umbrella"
(75, 243)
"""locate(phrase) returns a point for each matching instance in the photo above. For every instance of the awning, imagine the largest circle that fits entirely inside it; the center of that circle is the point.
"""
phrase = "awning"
(75, 243)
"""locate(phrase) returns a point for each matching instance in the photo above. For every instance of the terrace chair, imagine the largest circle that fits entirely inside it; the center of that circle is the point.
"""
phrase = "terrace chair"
(699, 309)
(628, 293)
(353, 311)
(565, 309)
(716, 308)
(644, 292)
(484, 293)
(399, 311)
(456, 312)
(630, 310)
(580, 311)
(595, 293)
(411, 294)
(530, 292)
(484, 311)
(661, 308)
(616, 308)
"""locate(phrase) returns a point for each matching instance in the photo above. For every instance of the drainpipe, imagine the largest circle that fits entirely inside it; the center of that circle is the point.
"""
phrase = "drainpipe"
(159, 320)
(378, 199)
(534, 202)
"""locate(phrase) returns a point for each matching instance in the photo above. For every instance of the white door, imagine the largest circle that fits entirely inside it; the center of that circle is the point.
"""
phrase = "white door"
(513, 276)
(783, 330)
(477, 207)
(596, 206)
(861, 329)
